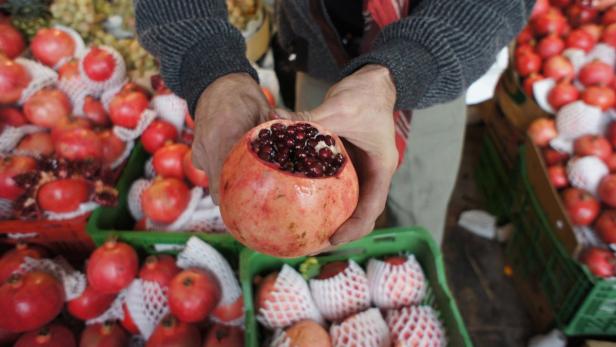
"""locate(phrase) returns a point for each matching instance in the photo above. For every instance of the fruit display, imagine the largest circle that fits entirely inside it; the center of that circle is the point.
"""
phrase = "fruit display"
(241, 12)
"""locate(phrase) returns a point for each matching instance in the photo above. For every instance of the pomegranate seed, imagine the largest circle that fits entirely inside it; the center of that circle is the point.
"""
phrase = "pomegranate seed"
(325, 153)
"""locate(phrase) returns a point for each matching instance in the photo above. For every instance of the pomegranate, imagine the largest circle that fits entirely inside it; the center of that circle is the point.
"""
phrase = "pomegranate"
(592, 145)
(596, 73)
(37, 144)
(159, 268)
(602, 97)
(12, 116)
(168, 160)
(265, 290)
(128, 322)
(9, 168)
(611, 163)
(332, 269)
(230, 312)
(607, 190)
(7, 338)
(11, 42)
(55, 335)
(79, 144)
(308, 333)
(600, 262)
(580, 39)
(525, 36)
(125, 108)
(63, 195)
(611, 133)
(593, 30)
(558, 67)
(14, 78)
(224, 336)
(157, 134)
(530, 81)
(580, 15)
(51, 45)
(605, 227)
(112, 267)
(609, 35)
(528, 63)
(523, 49)
(292, 179)
(550, 45)
(197, 177)
(98, 65)
(582, 207)
(69, 70)
(560, 3)
(541, 7)
(90, 304)
(395, 260)
(12, 260)
(542, 131)
(76, 123)
(112, 147)
(30, 301)
(562, 94)
(94, 111)
(558, 176)
(609, 17)
(193, 295)
(171, 332)
(107, 334)
(551, 22)
(48, 108)
(165, 200)
(553, 157)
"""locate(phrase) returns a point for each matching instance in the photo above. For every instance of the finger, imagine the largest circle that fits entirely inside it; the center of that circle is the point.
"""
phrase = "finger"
(296, 116)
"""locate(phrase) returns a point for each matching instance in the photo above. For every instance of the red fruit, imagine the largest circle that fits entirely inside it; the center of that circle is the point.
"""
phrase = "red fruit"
(12, 260)
(600, 262)
(580, 39)
(560, 3)
(55, 335)
(395, 260)
(50, 46)
(265, 290)
(231, 312)
(596, 73)
(558, 176)
(605, 227)
(9, 168)
(332, 269)
(37, 144)
(7, 338)
(602, 97)
(112, 267)
(593, 30)
(11, 42)
(609, 35)
(103, 335)
(196, 176)
(112, 147)
(541, 7)
(529, 82)
(30, 301)
(128, 322)
(525, 36)
(157, 134)
(611, 163)
(12, 116)
(592, 145)
(125, 109)
(224, 336)
(611, 133)
(63, 195)
(553, 157)
(77, 123)
(579, 15)
(582, 207)
(69, 70)
(542, 131)
(48, 108)
(607, 190)
(168, 160)
(609, 17)
(528, 63)
(523, 49)
(165, 200)
(98, 64)
(562, 94)
(550, 45)
(160, 269)
(558, 67)
(90, 304)
(551, 22)
(300, 201)
(193, 295)
(308, 333)
(171, 332)
(14, 78)
(94, 111)
(79, 144)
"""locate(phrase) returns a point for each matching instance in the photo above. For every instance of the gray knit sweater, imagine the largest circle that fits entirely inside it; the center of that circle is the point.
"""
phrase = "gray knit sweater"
(434, 54)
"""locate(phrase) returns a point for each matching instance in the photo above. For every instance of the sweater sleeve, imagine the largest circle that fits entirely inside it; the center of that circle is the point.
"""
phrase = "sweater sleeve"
(193, 41)
(443, 46)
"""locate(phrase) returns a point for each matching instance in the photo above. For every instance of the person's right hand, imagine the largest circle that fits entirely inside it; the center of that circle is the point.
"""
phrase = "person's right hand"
(226, 110)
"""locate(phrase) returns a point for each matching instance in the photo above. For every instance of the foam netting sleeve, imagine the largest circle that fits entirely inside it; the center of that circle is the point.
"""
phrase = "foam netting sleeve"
(128, 148)
(290, 302)
(198, 254)
(577, 119)
(75, 89)
(170, 108)
(113, 313)
(134, 197)
(6, 209)
(393, 286)
(416, 326)
(365, 329)
(148, 169)
(577, 57)
(146, 302)
(126, 134)
(80, 46)
(541, 89)
(586, 173)
(41, 77)
(74, 282)
(603, 52)
(108, 94)
(118, 76)
(342, 295)
(10, 136)
(280, 339)
(83, 208)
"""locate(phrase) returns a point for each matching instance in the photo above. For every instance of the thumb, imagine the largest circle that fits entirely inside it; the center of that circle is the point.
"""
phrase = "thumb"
(296, 116)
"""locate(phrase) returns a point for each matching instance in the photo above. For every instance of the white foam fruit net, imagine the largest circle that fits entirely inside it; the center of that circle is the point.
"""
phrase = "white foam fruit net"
(576, 56)
(393, 286)
(113, 313)
(147, 304)
(117, 78)
(586, 173)
(129, 145)
(80, 46)
(83, 208)
(126, 134)
(541, 89)
(342, 295)
(577, 119)
(6, 209)
(603, 52)
(134, 197)
(108, 94)
(74, 282)
(365, 329)
(148, 169)
(41, 77)
(416, 326)
(171, 108)
(10, 136)
(290, 302)
(75, 89)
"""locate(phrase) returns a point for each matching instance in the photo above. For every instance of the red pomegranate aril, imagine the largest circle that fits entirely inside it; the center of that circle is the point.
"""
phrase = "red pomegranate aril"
(51, 45)
(9, 168)
(98, 64)
(14, 78)
(63, 195)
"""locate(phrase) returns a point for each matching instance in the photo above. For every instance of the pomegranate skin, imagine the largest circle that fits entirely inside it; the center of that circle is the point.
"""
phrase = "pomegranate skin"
(279, 213)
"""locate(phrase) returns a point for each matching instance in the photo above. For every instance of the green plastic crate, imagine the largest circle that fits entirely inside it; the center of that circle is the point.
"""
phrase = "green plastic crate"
(377, 244)
(582, 304)
(494, 181)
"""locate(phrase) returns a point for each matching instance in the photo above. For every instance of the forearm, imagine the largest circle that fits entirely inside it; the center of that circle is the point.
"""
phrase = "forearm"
(443, 46)
(193, 41)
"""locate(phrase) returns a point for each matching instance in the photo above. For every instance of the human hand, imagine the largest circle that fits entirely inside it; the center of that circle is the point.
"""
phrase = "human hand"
(226, 110)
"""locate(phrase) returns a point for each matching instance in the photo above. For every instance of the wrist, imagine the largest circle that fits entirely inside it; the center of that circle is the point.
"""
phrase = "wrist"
(382, 77)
